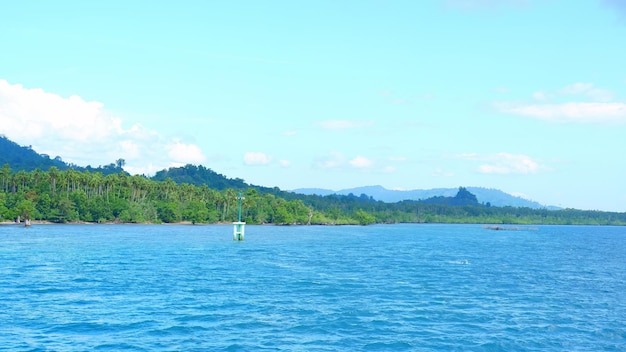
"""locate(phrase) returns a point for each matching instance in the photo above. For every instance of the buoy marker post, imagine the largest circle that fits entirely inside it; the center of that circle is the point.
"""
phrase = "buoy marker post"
(239, 227)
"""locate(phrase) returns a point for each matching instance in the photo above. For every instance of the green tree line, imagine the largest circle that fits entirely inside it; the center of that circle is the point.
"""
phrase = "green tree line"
(84, 196)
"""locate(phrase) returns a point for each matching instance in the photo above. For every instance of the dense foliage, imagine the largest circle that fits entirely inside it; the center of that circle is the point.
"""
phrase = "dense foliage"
(36, 187)
(198, 176)
(70, 196)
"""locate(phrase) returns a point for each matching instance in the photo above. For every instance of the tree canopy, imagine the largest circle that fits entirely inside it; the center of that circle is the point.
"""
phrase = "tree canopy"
(34, 186)
(25, 158)
(69, 196)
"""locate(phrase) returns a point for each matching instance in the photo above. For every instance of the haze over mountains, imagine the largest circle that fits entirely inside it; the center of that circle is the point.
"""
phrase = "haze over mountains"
(484, 195)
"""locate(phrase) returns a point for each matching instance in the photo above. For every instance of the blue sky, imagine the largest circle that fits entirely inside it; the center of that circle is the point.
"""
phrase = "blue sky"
(528, 97)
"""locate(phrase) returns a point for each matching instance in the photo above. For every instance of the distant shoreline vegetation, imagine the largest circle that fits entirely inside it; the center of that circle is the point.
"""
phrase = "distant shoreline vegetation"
(68, 196)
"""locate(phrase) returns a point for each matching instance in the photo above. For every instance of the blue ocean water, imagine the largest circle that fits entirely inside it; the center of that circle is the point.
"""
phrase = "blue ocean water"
(315, 288)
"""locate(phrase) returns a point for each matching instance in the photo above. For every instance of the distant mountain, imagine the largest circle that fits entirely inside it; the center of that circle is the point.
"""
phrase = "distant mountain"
(320, 192)
(25, 158)
(484, 195)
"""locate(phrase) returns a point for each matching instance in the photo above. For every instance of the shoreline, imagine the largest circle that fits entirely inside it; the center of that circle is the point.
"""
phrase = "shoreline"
(486, 226)
(44, 222)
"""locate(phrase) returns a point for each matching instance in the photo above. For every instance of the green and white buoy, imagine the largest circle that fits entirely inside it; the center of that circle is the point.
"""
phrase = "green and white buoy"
(239, 226)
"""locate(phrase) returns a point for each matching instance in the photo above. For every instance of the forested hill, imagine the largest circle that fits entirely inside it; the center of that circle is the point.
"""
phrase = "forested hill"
(25, 158)
(202, 176)
(22, 158)
(462, 198)
(494, 197)
(198, 176)
(37, 187)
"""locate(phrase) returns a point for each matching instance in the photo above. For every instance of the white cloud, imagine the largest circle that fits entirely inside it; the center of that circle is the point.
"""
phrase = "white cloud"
(185, 153)
(336, 160)
(84, 132)
(284, 163)
(344, 124)
(520, 195)
(601, 95)
(589, 91)
(149, 169)
(540, 96)
(577, 88)
(332, 161)
(578, 102)
(256, 158)
(569, 112)
(504, 163)
(34, 113)
(130, 149)
(360, 162)
(438, 172)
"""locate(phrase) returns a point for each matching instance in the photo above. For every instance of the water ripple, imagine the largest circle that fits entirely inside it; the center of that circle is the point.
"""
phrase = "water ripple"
(395, 288)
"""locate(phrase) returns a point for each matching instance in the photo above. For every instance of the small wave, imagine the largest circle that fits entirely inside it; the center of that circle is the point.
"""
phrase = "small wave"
(82, 328)
(392, 346)
(178, 330)
(48, 290)
(460, 262)
(118, 347)
(237, 347)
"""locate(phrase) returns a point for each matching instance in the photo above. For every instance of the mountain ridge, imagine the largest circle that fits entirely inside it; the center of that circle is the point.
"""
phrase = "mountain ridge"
(25, 158)
(493, 197)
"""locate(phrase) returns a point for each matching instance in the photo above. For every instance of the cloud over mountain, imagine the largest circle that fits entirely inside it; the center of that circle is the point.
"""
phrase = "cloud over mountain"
(85, 132)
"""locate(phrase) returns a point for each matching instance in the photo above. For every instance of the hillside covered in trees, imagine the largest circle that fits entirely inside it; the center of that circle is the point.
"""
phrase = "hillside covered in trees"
(36, 187)
(26, 159)
(70, 196)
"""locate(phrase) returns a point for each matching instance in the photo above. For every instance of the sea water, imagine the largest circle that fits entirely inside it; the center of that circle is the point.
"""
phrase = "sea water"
(312, 288)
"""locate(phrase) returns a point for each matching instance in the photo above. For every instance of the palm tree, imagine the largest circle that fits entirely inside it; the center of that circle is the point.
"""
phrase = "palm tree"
(53, 173)
(36, 177)
(109, 184)
(73, 178)
(229, 197)
(5, 172)
(169, 187)
(20, 178)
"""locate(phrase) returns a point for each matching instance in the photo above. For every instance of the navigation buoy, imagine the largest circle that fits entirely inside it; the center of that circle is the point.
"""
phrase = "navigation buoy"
(239, 227)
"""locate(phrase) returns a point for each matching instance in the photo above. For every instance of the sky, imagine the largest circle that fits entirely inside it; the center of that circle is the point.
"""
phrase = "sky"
(524, 96)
